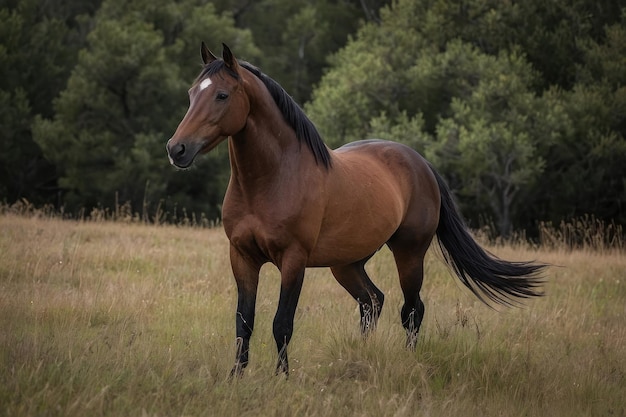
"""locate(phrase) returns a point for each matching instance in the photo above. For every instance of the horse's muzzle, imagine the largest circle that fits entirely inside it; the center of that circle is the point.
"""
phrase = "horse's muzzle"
(180, 155)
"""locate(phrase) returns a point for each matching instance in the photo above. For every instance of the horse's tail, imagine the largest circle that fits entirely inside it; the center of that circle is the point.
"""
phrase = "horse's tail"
(484, 274)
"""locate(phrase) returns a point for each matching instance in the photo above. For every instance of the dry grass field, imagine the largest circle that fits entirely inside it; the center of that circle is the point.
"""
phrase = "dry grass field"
(124, 319)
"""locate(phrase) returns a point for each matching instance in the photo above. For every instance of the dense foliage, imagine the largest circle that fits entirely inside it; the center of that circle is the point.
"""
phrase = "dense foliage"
(520, 105)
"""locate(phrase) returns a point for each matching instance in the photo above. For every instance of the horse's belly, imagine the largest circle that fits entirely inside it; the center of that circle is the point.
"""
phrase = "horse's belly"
(345, 250)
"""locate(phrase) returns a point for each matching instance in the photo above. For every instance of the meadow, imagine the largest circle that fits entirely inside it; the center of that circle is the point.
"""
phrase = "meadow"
(101, 318)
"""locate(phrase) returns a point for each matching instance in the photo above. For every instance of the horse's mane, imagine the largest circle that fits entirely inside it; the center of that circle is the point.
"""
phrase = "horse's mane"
(294, 115)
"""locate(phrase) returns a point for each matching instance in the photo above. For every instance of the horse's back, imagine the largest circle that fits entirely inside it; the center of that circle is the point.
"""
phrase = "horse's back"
(395, 160)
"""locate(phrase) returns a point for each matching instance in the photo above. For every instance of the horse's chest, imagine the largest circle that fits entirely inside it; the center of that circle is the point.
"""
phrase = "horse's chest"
(259, 238)
(269, 224)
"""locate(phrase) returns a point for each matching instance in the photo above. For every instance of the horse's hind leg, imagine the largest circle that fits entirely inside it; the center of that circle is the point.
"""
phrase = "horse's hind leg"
(410, 262)
(356, 281)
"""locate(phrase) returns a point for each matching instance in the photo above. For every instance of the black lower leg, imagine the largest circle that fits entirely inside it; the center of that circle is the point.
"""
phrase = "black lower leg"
(367, 317)
(370, 311)
(283, 321)
(412, 316)
(282, 335)
(241, 356)
(244, 325)
(282, 366)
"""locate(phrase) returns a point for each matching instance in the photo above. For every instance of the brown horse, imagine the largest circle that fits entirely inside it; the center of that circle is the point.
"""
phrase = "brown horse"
(295, 203)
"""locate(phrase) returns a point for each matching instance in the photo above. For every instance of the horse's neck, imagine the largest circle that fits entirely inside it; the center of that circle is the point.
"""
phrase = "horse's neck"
(267, 148)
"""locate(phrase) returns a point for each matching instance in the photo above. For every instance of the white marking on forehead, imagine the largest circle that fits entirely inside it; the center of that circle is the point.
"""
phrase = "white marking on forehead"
(205, 83)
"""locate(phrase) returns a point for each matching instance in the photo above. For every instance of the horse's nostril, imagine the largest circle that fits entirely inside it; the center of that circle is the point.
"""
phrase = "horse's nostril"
(176, 151)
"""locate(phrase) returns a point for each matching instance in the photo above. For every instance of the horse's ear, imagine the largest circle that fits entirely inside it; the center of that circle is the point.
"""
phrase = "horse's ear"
(229, 58)
(207, 56)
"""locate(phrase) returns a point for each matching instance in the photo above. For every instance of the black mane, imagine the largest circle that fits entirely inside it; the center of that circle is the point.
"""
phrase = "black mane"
(293, 114)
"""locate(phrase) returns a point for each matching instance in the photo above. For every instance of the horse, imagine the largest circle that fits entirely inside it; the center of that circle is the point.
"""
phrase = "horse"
(296, 203)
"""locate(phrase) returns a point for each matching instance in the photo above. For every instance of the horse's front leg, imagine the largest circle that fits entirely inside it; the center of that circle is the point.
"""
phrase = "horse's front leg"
(292, 277)
(247, 279)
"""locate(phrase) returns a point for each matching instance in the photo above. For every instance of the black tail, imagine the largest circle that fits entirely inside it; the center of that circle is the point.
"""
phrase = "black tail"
(483, 273)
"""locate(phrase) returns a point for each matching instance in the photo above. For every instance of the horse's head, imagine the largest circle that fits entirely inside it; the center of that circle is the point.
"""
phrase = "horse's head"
(218, 108)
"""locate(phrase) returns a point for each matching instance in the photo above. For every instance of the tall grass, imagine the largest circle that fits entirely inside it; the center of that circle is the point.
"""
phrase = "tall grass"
(106, 318)
(586, 232)
(121, 212)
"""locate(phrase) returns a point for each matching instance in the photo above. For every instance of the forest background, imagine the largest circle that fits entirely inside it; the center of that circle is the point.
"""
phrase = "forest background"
(521, 105)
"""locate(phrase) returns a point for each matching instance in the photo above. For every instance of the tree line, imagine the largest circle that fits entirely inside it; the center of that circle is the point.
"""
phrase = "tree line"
(520, 105)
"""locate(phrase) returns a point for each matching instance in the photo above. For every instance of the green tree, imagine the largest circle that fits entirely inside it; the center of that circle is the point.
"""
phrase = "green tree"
(490, 140)
(124, 99)
(39, 42)
(369, 77)
(588, 164)
(477, 95)
(296, 36)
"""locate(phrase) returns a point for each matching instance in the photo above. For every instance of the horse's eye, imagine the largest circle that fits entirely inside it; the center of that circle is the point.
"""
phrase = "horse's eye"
(221, 96)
